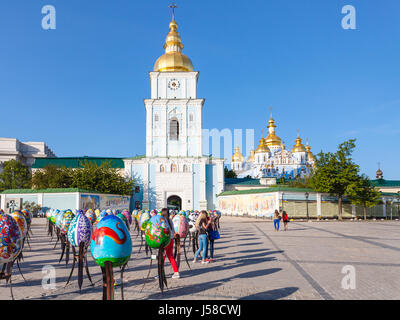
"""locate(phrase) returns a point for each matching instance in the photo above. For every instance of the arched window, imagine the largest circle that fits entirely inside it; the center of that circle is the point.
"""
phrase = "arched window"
(185, 168)
(174, 168)
(156, 118)
(162, 168)
(191, 117)
(174, 129)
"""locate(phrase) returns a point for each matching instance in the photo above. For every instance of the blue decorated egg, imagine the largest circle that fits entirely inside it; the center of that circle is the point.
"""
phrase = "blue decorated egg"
(111, 241)
(80, 230)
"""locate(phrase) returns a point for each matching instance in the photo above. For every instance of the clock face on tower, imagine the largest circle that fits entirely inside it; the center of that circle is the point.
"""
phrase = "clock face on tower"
(174, 84)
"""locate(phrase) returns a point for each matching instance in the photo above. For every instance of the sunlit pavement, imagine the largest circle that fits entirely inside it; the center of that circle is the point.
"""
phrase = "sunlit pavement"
(252, 261)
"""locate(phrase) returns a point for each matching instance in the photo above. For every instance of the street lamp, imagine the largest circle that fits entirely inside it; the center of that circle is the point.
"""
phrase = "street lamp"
(307, 195)
(282, 200)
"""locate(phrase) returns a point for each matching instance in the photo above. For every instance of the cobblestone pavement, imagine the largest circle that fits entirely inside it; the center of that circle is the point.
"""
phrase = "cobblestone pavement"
(252, 262)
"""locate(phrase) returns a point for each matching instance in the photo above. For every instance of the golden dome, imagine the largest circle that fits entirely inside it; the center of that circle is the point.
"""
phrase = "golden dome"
(310, 154)
(272, 139)
(299, 147)
(251, 158)
(173, 60)
(237, 157)
(262, 148)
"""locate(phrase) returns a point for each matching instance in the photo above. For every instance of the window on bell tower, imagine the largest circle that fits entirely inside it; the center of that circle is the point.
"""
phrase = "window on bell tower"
(174, 129)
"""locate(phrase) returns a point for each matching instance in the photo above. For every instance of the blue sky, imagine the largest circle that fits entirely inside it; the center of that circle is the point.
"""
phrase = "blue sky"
(80, 88)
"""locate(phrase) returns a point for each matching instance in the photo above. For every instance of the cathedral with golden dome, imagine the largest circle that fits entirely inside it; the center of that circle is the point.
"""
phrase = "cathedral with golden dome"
(272, 160)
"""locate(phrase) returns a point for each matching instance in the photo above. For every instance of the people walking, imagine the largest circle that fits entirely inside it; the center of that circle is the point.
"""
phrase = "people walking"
(276, 220)
(212, 233)
(169, 249)
(285, 220)
(202, 225)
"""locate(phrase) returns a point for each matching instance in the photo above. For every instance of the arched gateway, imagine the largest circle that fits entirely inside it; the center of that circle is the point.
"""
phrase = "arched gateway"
(174, 203)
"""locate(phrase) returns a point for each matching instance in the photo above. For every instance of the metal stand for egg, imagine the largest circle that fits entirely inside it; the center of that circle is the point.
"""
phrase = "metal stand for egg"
(108, 281)
(65, 248)
(5, 274)
(177, 251)
(137, 228)
(81, 257)
(58, 236)
(162, 279)
(146, 247)
(194, 241)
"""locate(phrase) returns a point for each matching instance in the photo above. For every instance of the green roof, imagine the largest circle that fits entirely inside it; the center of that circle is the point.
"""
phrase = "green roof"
(54, 190)
(242, 181)
(40, 163)
(265, 190)
(386, 183)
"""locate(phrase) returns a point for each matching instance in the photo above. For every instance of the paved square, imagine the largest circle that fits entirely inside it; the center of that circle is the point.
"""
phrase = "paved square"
(252, 262)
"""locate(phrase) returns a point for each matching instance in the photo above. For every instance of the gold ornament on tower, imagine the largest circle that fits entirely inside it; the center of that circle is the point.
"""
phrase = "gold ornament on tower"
(262, 148)
(299, 147)
(173, 60)
(272, 139)
(237, 157)
(251, 158)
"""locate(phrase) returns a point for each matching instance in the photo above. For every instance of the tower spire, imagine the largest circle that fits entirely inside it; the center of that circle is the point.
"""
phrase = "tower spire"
(173, 6)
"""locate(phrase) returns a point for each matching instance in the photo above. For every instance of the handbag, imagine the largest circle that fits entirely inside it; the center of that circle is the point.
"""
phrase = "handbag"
(214, 235)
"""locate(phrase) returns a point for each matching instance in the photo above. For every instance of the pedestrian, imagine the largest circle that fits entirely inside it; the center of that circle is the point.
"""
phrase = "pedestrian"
(202, 224)
(212, 232)
(285, 220)
(277, 219)
(169, 249)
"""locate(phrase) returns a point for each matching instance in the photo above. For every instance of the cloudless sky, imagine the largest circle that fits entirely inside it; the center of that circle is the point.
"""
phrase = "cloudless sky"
(80, 88)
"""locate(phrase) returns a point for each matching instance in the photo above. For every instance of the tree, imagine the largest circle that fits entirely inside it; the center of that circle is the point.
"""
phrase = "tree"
(52, 176)
(364, 193)
(15, 176)
(230, 174)
(336, 173)
(92, 177)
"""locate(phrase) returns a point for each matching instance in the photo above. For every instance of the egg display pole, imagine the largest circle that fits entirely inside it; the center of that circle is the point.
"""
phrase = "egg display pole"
(5, 274)
(162, 279)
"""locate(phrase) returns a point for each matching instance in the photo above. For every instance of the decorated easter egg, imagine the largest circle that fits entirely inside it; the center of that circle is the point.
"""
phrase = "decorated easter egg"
(19, 217)
(144, 219)
(124, 219)
(53, 216)
(66, 220)
(80, 230)
(28, 216)
(111, 241)
(91, 216)
(128, 216)
(181, 225)
(157, 232)
(10, 238)
(58, 217)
